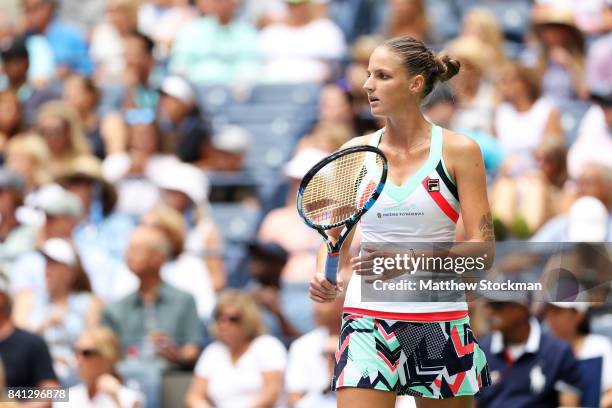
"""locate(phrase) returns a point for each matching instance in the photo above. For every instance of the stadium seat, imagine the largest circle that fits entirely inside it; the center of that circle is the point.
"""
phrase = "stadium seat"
(513, 16)
(571, 115)
(444, 19)
(302, 94)
(237, 222)
(213, 98)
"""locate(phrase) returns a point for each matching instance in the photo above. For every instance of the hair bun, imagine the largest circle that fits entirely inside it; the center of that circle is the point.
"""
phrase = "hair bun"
(447, 67)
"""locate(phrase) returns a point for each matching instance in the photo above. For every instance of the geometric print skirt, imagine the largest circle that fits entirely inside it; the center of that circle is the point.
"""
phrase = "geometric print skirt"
(422, 359)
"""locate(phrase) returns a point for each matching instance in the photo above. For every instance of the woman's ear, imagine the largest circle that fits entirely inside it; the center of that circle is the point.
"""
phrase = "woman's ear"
(417, 84)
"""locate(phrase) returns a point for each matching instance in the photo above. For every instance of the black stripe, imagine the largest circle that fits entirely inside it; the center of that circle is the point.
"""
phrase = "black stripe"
(449, 184)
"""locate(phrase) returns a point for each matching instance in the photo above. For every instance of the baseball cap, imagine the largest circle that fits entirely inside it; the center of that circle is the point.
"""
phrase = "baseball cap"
(11, 180)
(178, 88)
(579, 306)
(59, 250)
(303, 161)
(587, 221)
(232, 139)
(15, 48)
(56, 201)
(183, 177)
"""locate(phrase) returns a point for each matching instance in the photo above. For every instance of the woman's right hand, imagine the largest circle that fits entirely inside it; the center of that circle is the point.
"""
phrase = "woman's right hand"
(323, 291)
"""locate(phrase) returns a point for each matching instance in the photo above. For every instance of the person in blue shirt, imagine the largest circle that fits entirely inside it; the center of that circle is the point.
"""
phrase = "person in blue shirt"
(67, 42)
(528, 368)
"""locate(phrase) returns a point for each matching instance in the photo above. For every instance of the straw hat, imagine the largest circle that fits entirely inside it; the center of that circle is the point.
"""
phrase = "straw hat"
(557, 16)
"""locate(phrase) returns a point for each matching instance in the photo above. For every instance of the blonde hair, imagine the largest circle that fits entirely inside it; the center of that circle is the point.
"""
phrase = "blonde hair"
(418, 25)
(34, 148)
(107, 344)
(250, 322)
(488, 32)
(171, 223)
(78, 142)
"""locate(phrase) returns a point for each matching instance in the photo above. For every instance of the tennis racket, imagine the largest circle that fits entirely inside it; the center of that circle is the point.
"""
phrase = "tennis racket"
(337, 191)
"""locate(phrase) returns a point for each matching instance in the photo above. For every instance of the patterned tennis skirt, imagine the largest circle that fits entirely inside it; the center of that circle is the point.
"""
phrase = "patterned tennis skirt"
(422, 359)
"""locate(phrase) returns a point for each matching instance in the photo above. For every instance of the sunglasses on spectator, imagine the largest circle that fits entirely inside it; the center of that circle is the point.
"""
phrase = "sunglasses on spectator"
(235, 319)
(87, 353)
(51, 131)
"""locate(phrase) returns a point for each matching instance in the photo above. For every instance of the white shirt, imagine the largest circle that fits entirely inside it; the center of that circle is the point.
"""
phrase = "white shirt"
(80, 399)
(300, 54)
(307, 368)
(238, 385)
(596, 345)
(594, 143)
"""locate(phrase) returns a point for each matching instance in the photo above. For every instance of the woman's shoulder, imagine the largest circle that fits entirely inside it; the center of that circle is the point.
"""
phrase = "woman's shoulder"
(267, 342)
(358, 141)
(456, 143)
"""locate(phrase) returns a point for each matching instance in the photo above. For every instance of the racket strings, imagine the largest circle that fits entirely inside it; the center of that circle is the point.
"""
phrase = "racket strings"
(341, 188)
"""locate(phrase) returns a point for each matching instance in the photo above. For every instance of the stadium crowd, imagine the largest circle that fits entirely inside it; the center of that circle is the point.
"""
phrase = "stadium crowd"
(151, 152)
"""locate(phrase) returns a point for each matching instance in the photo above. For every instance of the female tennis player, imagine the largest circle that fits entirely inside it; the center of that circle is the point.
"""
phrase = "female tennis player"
(423, 349)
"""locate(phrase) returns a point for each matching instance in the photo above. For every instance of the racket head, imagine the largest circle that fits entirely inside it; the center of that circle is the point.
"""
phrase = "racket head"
(340, 188)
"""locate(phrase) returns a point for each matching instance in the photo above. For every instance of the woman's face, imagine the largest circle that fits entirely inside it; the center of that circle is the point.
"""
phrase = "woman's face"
(334, 105)
(388, 84)
(511, 86)
(55, 132)
(90, 363)
(58, 275)
(22, 164)
(230, 327)
(77, 96)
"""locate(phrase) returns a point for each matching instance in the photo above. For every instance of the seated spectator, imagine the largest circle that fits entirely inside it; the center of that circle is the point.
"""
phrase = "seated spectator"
(266, 262)
(262, 13)
(64, 310)
(560, 53)
(97, 353)
(107, 37)
(180, 119)
(244, 366)
(324, 397)
(327, 136)
(524, 119)
(183, 270)
(25, 356)
(16, 64)
(335, 106)
(308, 371)
(303, 48)
(407, 18)
(27, 155)
(227, 150)
(131, 172)
(594, 142)
(162, 19)
(481, 24)
(300, 241)
(216, 47)
(61, 129)
(80, 94)
(569, 322)
(474, 93)
(15, 237)
(11, 118)
(67, 42)
(527, 367)
(588, 219)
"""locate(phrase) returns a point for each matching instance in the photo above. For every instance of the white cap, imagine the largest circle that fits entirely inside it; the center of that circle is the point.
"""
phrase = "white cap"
(579, 306)
(183, 177)
(178, 88)
(303, 161)
(587, 221)
(59, 250)
(232, 139)
(55, 200)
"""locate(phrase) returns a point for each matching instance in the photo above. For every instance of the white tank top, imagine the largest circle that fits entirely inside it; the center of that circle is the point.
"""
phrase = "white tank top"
(424, 209)
(520, 132)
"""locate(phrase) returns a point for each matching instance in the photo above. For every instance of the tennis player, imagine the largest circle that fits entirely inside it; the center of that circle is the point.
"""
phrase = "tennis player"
(423, 349)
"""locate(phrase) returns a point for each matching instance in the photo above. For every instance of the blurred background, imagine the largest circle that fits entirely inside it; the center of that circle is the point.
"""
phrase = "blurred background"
(151, 152)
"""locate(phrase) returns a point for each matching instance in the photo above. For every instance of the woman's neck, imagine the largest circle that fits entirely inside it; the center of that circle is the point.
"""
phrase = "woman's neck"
(406, 130)
(523, 104)
(59, 295)
(237, 350)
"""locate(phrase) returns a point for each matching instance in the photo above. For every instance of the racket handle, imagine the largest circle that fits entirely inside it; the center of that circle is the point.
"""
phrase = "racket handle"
(331, 267)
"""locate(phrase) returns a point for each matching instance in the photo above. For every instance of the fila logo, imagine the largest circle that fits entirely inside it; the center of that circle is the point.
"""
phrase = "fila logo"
(433, 184)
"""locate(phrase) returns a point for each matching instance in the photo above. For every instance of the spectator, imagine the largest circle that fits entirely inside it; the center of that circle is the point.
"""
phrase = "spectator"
(16, 65)
(325, 398)
(262, 13)
(15, 238)
(523, 119)
(132, 171)
(162, 19)
(67, 42)
(28, 155)
(482, 25)
(11, 118)
(244, 367)
(266, 262)
(561, 53)
(108, 37)
(308, 371)
(25, 356)
(335, 106)
(527, 367)
(569, 322)
(183, 270)
(300, 241)
(227, 150)
(64, 310)
(216, 47)
(82, 96)
(184, 188)
(408, 18)
(61, 129)
(303, 48)
(97, 353)
(180, 119)
(327, 136)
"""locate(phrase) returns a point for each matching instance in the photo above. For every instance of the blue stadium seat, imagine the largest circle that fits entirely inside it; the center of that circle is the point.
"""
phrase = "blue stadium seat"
(513, 16)
(297, 94)
(213, 98)
(444, 19)
(236, 221)
(571, 116)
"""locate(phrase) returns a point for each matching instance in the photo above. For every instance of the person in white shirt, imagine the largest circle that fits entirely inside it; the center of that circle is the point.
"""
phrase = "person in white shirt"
(97, 352)
(568, 321)
(243, 367)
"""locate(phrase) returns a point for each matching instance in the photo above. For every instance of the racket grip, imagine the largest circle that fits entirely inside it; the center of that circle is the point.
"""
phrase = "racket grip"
(331, 267)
